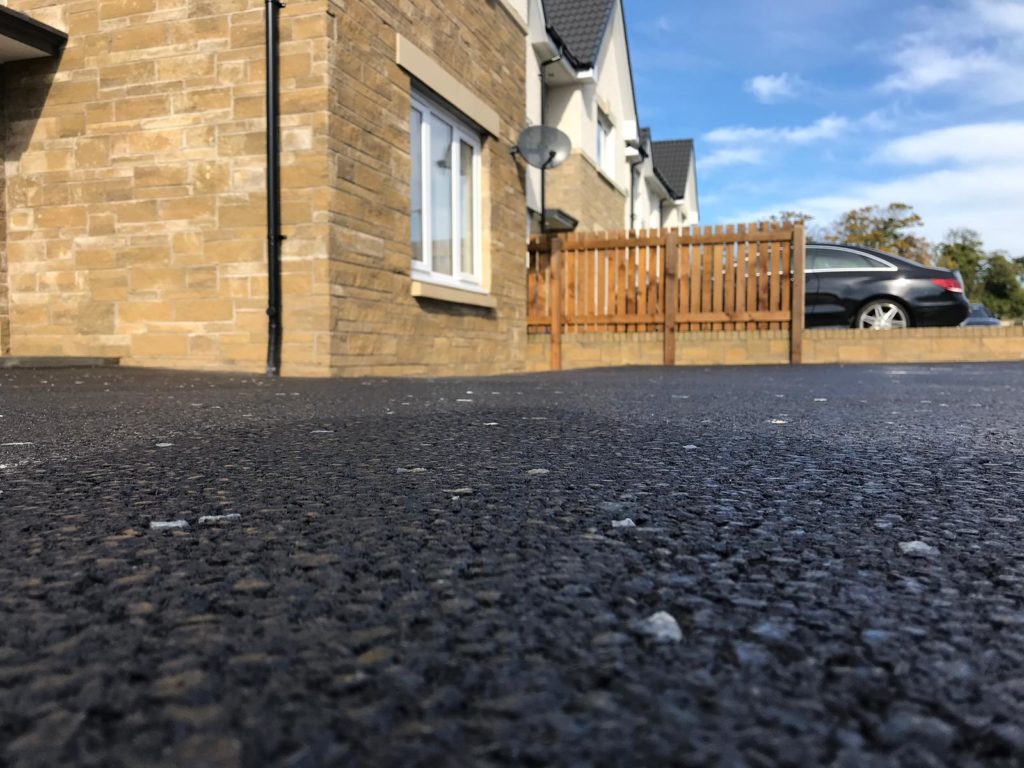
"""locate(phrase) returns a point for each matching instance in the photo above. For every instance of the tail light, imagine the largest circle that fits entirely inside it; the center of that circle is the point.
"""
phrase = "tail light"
(950, 284)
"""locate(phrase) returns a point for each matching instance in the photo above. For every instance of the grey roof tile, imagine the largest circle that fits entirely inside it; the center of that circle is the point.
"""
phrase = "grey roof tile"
(580, 25)
(672, 163)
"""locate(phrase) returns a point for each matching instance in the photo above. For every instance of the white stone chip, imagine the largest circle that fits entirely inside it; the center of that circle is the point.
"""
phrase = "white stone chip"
(456, 492)
(625, 522)
(917, 549)
(463, 400)
(164, 445)
(413, 470)
(14, 444)
(490, 423)
(662, 627)
(166, 525)
(690, 447)
(821, 399)
(538, 471)
(322, 432)
(777, 421)
(205, 519)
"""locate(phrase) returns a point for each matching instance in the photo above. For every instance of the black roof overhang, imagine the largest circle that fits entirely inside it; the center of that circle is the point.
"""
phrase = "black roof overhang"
(24, 31)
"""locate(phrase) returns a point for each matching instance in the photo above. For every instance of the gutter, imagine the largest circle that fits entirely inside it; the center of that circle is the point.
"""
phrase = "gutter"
(274, 236)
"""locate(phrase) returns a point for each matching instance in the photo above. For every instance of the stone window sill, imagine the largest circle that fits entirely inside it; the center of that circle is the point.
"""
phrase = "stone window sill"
(423, 290)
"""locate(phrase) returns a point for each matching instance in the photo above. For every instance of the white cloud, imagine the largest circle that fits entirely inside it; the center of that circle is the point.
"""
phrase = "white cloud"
(978, 183)
(974, 48)
(1007, 15)
(980, 143)
(771, 89)
(731, 156)
(825, 128)
(923, 67)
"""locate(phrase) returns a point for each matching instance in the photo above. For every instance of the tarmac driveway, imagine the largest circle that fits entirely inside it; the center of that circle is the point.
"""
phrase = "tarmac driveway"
(433, 573)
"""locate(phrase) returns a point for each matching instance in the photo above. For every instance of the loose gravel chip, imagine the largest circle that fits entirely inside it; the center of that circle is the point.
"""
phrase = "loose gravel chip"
(661, 626)
(209, 519)
(166, 525)
(918, 549)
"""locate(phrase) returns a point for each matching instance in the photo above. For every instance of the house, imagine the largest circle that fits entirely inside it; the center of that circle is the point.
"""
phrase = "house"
(579, 79)
(134, 212)
(675, 166)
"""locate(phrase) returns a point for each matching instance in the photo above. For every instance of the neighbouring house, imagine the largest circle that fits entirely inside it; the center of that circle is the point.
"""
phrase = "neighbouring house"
(579, 79)
(133, 202)
(675, 166)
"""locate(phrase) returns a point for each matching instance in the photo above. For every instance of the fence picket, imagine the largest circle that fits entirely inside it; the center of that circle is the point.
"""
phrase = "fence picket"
(729, 281)
(735, 277)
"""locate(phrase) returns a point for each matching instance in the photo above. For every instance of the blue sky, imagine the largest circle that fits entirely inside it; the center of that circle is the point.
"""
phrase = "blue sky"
(823, 107)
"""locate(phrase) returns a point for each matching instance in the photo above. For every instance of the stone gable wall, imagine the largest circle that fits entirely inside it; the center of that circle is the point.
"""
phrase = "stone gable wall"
(136, 170)
(378, 326)
(579, 189)
(136, 173)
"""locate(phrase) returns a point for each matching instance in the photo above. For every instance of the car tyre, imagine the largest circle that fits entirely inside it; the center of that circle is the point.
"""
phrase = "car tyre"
(882, 315)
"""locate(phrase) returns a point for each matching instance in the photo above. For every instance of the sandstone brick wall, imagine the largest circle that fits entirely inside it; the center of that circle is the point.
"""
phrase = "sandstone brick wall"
(600, 350)
(578, 188)
(135, 195)
(5, 325)
(915, 345)
(911, 345)
(378, 327)
(136, 211)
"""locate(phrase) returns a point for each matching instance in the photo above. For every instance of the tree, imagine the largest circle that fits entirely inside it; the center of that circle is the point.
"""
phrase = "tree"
(962, 249)
(883, 229)
(990, 277)
(790, 217)
(1000, 282)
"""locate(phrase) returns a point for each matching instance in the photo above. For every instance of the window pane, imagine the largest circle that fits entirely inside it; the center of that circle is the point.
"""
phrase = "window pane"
(416, 183)
(467, 210)
(830, 259)
(441, 195)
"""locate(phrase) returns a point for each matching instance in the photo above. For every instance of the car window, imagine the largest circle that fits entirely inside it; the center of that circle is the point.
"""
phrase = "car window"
(830, 258)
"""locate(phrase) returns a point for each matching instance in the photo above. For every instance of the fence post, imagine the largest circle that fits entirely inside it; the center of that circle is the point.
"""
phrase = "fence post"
(671, 295)
(556, 304)
(796, 322)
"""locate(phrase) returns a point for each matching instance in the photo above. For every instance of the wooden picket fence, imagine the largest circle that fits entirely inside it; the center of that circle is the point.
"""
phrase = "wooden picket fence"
(722, 278)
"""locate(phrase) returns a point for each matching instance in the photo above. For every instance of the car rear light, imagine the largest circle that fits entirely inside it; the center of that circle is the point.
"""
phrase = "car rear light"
(948, 283)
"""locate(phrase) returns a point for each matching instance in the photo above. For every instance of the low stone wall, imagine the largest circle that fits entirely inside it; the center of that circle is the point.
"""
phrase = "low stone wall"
(913, 345)
(601, 350)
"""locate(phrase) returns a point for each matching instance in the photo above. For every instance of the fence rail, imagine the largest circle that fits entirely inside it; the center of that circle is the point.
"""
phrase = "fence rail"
(734, 277)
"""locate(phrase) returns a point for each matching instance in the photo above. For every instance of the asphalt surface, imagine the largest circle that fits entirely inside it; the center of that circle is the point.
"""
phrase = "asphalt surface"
(426, 573)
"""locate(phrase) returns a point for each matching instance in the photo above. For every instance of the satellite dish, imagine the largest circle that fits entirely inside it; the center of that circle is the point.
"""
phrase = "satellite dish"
(543, 146)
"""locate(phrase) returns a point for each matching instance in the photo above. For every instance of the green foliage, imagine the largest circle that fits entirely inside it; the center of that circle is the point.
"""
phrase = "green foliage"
(963, 250)
(882, 228)
(790, 217)
(991, 278)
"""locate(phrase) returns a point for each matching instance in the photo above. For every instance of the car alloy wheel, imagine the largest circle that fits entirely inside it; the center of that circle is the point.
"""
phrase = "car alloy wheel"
(883, 316)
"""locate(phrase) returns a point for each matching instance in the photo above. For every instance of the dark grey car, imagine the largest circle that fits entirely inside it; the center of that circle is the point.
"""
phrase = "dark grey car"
(860, 287)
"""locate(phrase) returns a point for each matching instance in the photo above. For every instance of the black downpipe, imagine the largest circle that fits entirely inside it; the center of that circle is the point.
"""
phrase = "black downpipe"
(544, 169)
(274, 236)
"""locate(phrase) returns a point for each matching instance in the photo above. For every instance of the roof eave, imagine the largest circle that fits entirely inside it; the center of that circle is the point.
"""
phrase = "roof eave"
(24, 30)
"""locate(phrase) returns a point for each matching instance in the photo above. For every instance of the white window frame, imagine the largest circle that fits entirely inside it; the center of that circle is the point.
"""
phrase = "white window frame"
(461, 132)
